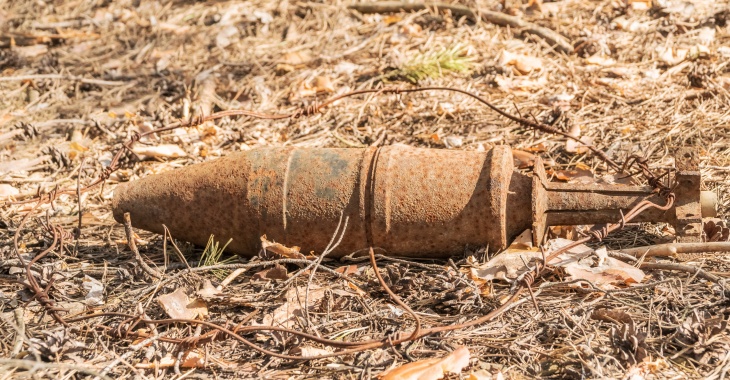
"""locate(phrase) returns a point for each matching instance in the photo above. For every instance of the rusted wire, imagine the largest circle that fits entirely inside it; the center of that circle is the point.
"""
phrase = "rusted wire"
(525, 283)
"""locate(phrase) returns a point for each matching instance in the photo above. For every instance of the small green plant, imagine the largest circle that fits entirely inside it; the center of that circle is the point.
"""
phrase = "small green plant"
(433, 64)
(212, 256)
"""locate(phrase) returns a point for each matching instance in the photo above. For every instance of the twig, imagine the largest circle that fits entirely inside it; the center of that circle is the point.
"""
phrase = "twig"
(697, 271)
(673, 249)
(20, 331)
(98, 82)
(33, 366)
(330, 247)
(133, 246)
(497, 18)
(132, 349)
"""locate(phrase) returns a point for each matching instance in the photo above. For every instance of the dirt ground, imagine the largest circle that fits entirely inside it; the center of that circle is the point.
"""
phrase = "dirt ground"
(78, 78)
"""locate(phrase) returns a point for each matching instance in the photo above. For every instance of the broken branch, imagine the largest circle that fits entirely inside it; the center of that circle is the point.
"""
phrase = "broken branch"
(552, 37)
(673, 249)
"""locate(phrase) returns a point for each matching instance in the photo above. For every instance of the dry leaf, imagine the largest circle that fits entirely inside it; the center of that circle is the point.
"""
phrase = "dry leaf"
(511, 262)
(178, 305)
(159, 151)
(430, 369)
(522, 159)
(537, 148)
(611, 315)
(572, 146)
(308, 351)
(287, 314)
(392, 19)
(94, 291)
(208, 290)
(452, 142)
(356, 289)
(605, 273)
(281, 250)
(671, 56)
(7, 191)
(347, 270)
(522, 64)
(278, 272)
(515, 260)
(191, 359)
(296, 59)
(226, 36)
(575, 175)
(323, 84)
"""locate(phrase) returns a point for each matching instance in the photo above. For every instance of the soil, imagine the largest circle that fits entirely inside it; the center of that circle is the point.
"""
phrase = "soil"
(80, 78)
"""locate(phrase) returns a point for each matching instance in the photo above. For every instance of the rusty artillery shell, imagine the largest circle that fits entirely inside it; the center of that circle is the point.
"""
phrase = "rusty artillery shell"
(407, 201)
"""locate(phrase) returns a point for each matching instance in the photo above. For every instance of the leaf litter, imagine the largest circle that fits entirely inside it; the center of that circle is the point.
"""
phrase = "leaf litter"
(630, 87)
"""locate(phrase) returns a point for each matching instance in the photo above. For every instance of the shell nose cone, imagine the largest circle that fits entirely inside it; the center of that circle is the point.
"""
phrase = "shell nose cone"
(143, 201)
(120, 202)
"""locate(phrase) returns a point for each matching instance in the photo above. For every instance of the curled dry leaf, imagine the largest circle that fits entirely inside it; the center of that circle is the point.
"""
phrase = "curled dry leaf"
(430, 369)
(348, 270)
(278, 272)
(159, 151)
(522, 64)
(281, 250)
(605, 272)
(522, 159)
(511, 262)
(178, 305)
(580, 262)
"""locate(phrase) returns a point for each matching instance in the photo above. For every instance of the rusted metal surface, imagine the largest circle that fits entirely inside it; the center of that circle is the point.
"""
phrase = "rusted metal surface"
(407, 201)
(688, 212)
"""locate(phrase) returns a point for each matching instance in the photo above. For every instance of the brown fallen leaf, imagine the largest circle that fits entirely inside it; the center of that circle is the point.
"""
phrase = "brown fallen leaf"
(208, 290)
(278, 272)
(610, 315)
(280, 250)
(288, 313)
(523, 160)
(430, 369)
(347, 270)
(522, 64)
(178, 305)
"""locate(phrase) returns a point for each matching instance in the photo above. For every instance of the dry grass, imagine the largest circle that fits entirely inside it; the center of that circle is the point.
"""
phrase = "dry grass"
(85, 75)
